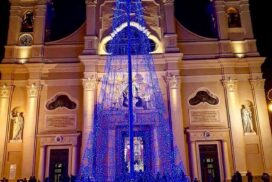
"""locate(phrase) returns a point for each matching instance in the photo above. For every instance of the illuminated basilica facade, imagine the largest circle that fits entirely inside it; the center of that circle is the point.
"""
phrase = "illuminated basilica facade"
(212, 88)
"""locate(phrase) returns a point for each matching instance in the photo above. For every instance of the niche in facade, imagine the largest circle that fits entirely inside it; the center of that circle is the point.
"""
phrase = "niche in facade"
(203, 96)
(27, 22)
(248, 117)
(61, 101)
(16, 124)
(234, 20)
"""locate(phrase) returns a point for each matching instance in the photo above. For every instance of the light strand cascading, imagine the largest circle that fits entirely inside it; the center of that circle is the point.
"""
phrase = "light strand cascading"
(112, 106)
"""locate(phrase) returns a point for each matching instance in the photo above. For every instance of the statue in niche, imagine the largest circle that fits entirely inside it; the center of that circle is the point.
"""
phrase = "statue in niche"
(17, 119)
(27, 22)
(234, 20)
(247, 119)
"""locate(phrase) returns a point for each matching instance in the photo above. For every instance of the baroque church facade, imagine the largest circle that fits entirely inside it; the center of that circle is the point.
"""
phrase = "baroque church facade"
(212, 88)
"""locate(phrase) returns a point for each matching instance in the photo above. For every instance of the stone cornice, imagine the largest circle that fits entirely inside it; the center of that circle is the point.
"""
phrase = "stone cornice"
(207, 134)
(59, 139)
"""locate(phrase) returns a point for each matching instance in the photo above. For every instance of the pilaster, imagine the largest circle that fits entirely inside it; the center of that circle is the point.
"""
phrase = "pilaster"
(174, 84)
(258, 92)
(30, 129)
(5, 101)
(235, 124)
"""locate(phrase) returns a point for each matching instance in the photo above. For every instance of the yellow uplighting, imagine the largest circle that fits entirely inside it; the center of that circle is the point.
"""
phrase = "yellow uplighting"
(24, 52)
(238, 48)
(270, 106)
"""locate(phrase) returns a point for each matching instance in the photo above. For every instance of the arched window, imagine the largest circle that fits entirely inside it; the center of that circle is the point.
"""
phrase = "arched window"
(27, 22)
(234, 20)
(136, 46)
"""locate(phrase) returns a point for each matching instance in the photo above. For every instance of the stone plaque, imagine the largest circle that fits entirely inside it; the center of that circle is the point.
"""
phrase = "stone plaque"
(204, 116)
(60, 122)
(12, 171)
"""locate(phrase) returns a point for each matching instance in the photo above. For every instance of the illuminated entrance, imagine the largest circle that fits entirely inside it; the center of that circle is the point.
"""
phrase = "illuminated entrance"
(142, 150)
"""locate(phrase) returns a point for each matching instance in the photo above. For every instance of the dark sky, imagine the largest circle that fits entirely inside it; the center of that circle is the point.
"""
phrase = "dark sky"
(190, 12)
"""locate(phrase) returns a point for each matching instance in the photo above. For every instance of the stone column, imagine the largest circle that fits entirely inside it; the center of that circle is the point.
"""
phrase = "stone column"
(89, 86)
(235, 123)
(39, 31)
(246, 19)
(221, 19)
(264, 130)
(15, 21)
(74, 159)
(42, 163)
(170, 36)
(193, 159)
(30, 127)
(5, 100)
(90, 43)
(177, 120)
(226, 161)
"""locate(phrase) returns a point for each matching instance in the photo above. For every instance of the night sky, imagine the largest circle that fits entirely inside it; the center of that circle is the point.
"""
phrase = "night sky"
(192, 14)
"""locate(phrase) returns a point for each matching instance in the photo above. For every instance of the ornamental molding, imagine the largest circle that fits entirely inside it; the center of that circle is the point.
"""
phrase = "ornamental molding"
(168, 1)
(91, 2)
(89, 84)
(33, 90)
(5, 91)
(257, 84)
(174, 82)
(230, 85)
(59, 139)
(208, 135)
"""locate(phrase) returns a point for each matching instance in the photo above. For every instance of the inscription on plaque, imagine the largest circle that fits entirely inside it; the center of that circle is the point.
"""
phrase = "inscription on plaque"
(204, 116)
(60, 122)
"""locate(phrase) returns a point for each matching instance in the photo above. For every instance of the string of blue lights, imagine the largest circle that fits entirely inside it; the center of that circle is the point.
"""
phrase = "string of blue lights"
(129, 94)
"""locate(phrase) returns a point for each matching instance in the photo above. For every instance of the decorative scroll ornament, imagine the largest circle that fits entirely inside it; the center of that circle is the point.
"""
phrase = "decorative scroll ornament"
(5, 91)
(91, 2)
(33, 90)
(230, 85)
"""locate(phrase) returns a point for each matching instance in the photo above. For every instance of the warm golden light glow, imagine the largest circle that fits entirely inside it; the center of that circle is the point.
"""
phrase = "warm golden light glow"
(24, 52)
(270, 106)
(238, 48)
(22, 61)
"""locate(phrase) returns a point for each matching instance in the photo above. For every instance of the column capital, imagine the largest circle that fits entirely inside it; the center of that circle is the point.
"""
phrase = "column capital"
(174, 82)
(257, 84)
(5, 90)
(89, 84)
(168, 2)
(91, 2)
(230, 85)
(33, 89)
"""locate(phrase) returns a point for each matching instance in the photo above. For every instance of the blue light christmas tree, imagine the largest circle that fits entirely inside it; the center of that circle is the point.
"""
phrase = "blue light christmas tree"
(130, 89)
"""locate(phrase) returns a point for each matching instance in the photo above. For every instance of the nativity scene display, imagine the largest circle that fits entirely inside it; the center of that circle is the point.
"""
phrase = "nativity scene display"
(117, 92)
